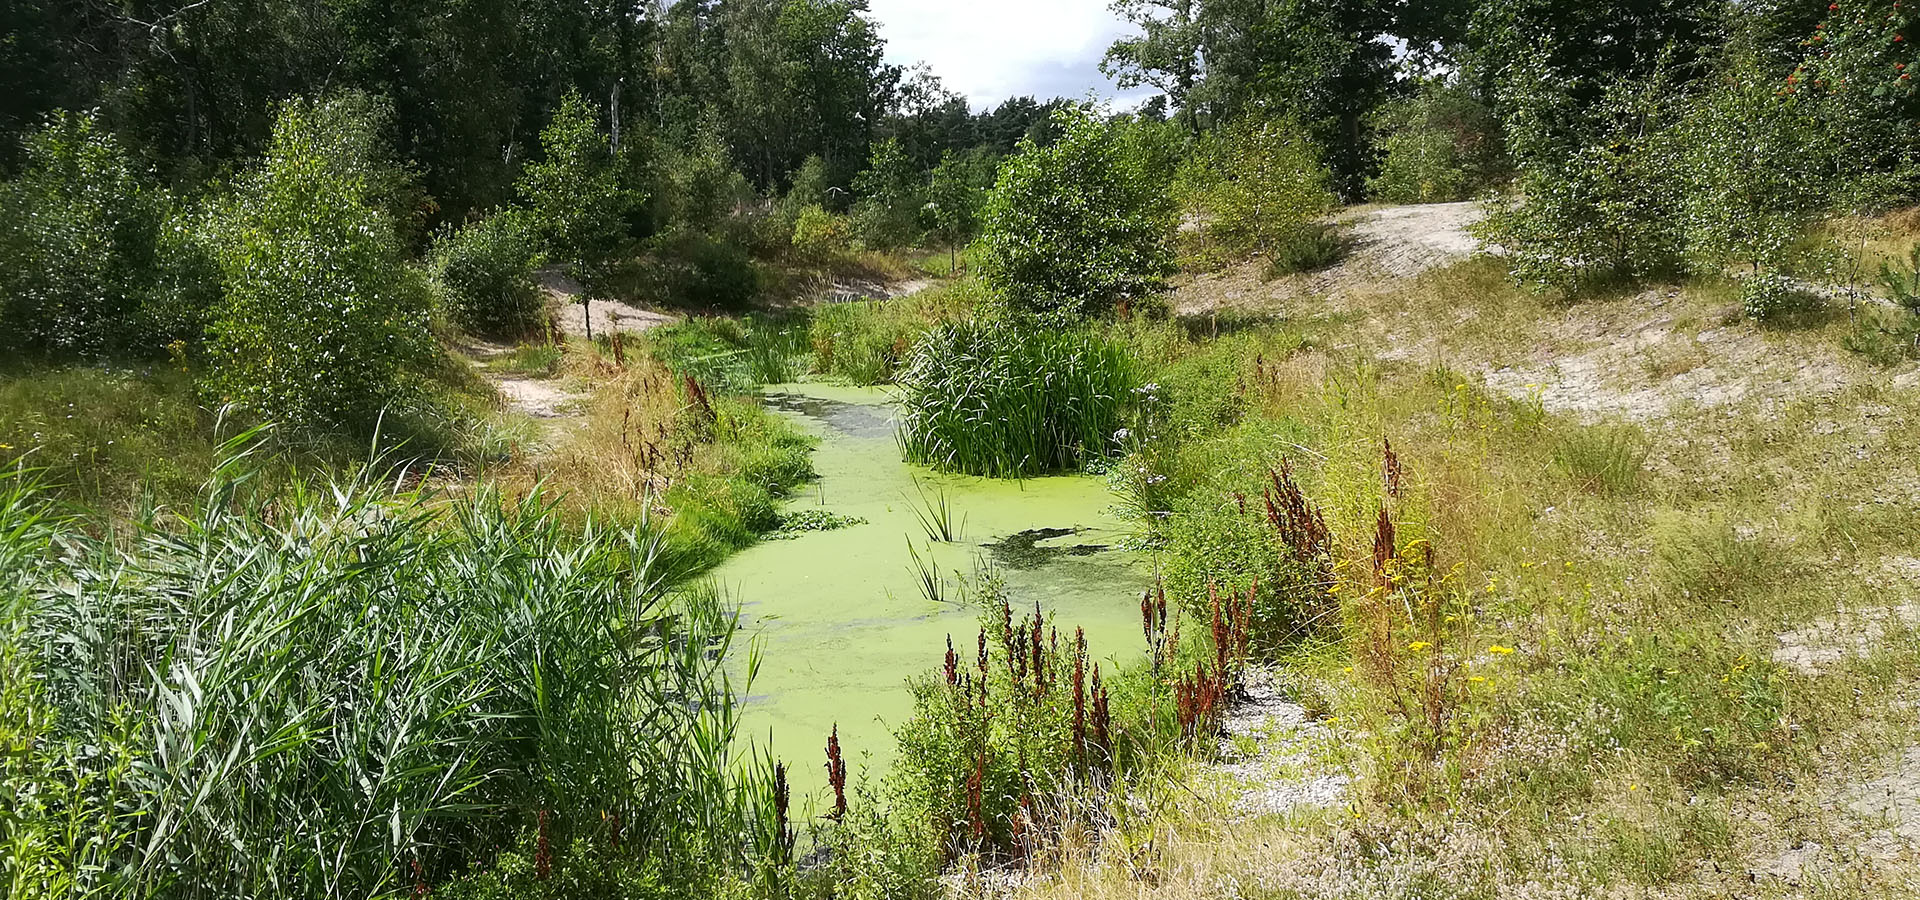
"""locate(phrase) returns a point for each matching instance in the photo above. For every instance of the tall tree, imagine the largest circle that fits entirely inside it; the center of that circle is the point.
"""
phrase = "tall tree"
(1165, 55)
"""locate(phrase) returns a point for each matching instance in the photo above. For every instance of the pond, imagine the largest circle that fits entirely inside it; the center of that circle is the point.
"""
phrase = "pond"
(842, 618)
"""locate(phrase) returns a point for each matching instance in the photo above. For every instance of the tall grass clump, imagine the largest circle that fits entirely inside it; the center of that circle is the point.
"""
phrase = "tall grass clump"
(353, 689)
(1007, 400)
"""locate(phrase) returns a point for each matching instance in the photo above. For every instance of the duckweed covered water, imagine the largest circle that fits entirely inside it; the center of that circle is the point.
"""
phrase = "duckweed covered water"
(841, 616)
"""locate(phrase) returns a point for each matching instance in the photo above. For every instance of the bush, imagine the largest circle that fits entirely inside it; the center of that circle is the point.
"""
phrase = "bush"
(1753, 172)
(1769, 293)
(485, 275)
(322, 321)
(1260, 188)
(1007, 400)
(820, 236)
(78, 230)
(1441, 145)
(1077, 226)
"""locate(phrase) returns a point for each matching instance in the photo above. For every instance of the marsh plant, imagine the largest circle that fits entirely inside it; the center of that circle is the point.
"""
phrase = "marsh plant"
(352, 689)
(1008, 399)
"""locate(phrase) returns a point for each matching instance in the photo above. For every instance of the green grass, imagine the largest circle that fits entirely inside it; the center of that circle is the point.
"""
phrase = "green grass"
(306, 691)
(1007, 400)
(105, 436)
(733, 354)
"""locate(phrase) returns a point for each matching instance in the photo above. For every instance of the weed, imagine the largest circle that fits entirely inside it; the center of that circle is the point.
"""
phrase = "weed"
(1609, 460)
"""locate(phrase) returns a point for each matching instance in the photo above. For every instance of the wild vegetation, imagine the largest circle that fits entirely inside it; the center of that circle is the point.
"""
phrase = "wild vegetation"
(1575, 568)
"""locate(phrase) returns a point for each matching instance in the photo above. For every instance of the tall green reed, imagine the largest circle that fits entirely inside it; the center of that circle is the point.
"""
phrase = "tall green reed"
(1010, 399)
(307, 692)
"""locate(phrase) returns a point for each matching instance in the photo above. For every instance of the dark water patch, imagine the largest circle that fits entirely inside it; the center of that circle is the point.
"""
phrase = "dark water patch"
(1023, 549)
(853, 419)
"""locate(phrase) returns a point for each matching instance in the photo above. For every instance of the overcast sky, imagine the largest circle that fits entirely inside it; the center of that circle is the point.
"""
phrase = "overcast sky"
(990, 50)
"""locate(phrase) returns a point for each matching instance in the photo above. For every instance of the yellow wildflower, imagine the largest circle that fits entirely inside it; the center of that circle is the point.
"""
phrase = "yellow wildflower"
(1418, 646)
(1503, 651)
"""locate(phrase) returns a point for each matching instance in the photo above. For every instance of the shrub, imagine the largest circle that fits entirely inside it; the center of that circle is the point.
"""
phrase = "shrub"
(1769, 293)
(1004, 399)
(820, 236)
(1259, 187)
(1903, 282)
(1076, 226)
(485, 275)
(322, 320)
(1753, 172)
(78, 230)
(1441, 144)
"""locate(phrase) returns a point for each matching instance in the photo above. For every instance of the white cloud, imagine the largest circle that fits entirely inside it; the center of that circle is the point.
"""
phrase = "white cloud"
(990, 50)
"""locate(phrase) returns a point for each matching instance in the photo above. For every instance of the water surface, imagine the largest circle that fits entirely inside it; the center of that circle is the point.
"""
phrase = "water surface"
(839, 615)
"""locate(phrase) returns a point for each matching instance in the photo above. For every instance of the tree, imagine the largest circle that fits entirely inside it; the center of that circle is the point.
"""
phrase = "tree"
(1165, 55)
(576, 200)
(1260, 187)
(77, 235)
(891, 193)
(1076, 227)
(955, 194)
(321, 320)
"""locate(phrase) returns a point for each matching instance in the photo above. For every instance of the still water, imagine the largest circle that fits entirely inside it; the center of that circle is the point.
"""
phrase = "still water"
(840, 617)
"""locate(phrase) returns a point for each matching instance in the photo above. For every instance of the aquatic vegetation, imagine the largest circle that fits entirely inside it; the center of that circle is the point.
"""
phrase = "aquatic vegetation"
(354, 688)
(1007, 399)
(808, 521)
(935, 514)
(1005, 750)
(927, 577)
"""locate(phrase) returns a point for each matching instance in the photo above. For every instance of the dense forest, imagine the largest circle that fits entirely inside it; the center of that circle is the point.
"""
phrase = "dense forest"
(1487, 405)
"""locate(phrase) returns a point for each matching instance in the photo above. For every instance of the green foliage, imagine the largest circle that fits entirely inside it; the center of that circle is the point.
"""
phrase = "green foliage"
(1903, 282)
(732, 354)
(1753, 169)
(78, 228)
(1442, 144)
(1008, 399)
(956, 195)
(1608, 460)
(1258, 187)
(866, 341)
(1769, 293)
(892, 193)
(105, 437)
(820, 236)
(1078, 226)
(485, 275)
(1008, 741)
(575, 197)
(317, 690)
(322, 320)
(1598, 211)
(1856, 83)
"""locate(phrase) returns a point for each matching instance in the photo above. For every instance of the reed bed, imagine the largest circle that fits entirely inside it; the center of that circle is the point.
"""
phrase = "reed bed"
(352, 689)
(1010, 400)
